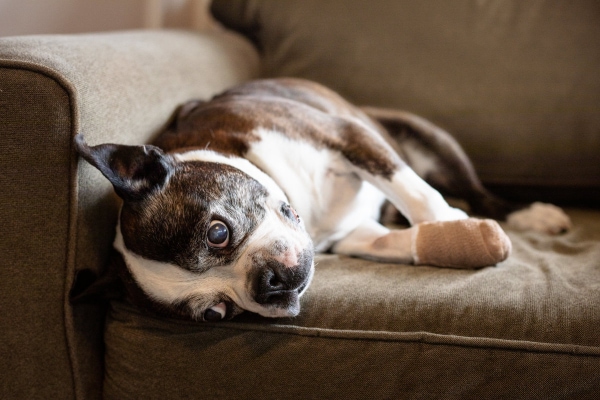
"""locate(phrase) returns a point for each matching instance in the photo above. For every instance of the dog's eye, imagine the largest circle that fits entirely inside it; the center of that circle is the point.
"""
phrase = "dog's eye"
(289, 212)
(218, 234)
(215, 313)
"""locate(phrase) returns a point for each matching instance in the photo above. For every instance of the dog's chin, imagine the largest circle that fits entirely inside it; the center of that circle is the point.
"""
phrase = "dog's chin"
(278, 312)
(287, 305)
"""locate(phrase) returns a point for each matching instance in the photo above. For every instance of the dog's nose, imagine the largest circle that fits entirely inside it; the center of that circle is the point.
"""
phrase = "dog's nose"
(278, 284)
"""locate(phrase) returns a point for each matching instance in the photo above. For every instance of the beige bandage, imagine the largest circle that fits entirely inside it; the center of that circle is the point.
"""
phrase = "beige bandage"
(467, 243)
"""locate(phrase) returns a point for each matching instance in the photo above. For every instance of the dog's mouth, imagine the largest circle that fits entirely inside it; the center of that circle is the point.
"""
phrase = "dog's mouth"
(285, 303)
(280, 300)
(303, 287)
(277, 304)
(283, 299)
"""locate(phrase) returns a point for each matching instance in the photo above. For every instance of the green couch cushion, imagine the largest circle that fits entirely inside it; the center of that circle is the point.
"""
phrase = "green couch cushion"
(526, 328)
(516, 82)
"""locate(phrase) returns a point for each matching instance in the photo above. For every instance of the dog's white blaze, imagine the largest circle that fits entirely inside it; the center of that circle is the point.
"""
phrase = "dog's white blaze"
(236, 162)
(289, 259)
(320, 183)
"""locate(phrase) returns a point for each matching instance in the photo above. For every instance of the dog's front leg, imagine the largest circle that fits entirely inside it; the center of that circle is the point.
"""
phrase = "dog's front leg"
(466, 243)
(373, 241)
(413, 197)
(376, 162)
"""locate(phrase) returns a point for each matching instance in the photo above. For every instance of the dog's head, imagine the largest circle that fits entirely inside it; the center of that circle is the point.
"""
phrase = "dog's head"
(203, 239)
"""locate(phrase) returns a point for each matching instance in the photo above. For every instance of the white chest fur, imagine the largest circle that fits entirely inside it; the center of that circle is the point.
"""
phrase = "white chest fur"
(319, 183)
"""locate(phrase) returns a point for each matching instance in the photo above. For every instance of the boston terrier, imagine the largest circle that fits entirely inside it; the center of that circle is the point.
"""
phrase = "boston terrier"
(226, 210)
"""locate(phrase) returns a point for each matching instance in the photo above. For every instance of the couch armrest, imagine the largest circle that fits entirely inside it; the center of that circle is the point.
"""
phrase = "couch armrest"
(57, 213)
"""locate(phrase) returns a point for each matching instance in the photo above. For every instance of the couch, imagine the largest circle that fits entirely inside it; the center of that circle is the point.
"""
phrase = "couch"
(517, 84)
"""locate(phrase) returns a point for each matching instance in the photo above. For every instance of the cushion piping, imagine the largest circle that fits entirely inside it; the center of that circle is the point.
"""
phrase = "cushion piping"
(416, 337)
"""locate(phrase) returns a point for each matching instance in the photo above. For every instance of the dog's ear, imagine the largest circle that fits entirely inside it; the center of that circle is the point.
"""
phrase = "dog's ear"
(134, 171)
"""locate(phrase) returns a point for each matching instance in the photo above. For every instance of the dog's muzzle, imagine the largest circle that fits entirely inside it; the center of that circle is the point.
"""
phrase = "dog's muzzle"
(278, 285)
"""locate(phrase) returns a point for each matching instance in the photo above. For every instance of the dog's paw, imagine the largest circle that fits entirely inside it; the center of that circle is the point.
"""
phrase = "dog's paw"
(540, 217)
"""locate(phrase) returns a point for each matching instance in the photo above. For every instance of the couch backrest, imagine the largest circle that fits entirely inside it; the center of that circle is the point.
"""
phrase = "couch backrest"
(515, 81)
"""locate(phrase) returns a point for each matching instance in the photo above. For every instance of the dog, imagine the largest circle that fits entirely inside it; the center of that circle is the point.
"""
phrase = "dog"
(225, 211)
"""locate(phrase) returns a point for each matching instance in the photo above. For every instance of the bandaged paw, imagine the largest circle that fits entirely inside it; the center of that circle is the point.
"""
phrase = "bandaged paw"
(467, 243)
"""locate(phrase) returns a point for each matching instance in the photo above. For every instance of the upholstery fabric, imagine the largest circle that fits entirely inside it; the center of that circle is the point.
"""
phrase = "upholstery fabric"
(58, 215)
(511, 73)
(522, 329)
(34, 210)
(515, 82)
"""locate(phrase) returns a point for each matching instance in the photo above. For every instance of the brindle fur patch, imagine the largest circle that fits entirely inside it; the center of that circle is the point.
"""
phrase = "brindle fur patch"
(297, 109)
